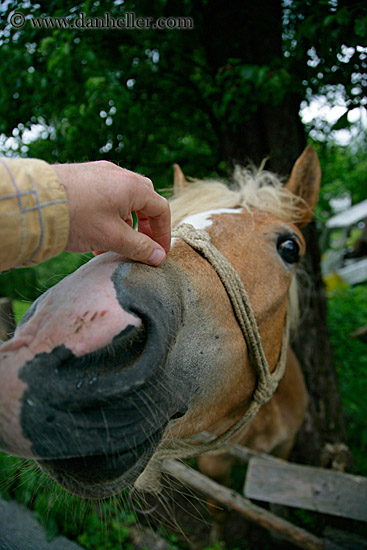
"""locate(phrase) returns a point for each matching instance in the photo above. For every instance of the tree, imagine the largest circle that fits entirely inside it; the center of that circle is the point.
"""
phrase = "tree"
(227, 91)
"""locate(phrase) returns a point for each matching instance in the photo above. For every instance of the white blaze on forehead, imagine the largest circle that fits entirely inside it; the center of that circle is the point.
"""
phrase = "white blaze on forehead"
(203, 220)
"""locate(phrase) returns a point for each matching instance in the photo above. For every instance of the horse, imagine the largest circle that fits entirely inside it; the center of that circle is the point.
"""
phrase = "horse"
(120, 360)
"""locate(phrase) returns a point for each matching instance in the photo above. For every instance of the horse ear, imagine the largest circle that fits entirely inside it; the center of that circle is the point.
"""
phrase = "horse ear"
(179, 180)
(304, 182)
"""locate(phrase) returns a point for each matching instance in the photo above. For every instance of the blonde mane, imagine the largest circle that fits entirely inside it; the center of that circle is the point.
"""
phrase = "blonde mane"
(250, 188)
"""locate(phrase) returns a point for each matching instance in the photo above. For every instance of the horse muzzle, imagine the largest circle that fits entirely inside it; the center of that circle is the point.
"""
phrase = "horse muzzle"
(93, 414)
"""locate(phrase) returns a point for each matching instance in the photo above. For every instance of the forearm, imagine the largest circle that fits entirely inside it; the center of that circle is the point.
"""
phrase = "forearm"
(34, 217)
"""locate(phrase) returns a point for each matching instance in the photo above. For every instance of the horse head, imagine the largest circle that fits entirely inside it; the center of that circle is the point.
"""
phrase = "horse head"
(120, 357)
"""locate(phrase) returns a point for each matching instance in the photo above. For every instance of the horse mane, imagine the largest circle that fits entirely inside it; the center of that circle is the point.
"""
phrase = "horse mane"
(249, 188)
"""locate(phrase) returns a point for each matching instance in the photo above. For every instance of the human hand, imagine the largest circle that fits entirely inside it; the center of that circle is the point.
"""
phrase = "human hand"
(101, 197)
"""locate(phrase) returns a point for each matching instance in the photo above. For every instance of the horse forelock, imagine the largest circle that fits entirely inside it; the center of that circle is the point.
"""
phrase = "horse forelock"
(250, 188)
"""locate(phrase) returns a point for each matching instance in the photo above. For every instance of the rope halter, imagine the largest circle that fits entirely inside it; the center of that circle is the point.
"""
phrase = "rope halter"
(267, 382)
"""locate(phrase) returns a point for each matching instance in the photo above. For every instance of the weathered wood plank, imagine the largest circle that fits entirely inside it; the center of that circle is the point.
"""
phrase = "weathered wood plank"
(307, 487)
(299, 537)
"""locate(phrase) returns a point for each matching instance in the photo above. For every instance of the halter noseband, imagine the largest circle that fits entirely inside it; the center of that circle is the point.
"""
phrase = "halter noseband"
(267, 382)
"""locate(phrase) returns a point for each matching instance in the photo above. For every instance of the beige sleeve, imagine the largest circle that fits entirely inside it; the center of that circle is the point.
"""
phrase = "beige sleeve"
(34, 215)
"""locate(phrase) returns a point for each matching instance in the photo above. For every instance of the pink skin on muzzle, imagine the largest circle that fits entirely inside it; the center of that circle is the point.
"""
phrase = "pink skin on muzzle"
(82, 313)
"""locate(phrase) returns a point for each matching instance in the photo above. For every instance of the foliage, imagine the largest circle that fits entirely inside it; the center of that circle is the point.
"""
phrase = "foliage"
(325, 41)
(93, 524)
(347, 312)
(344, 172)
(148, 99)
(28, 283)
(112, 106)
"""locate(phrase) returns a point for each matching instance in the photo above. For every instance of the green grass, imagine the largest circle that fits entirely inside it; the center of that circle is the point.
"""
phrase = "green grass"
(347, 312)
(20, 307)
(93, 524)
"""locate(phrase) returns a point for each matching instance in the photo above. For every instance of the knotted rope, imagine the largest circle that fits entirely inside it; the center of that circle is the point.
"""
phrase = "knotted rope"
(267, 382)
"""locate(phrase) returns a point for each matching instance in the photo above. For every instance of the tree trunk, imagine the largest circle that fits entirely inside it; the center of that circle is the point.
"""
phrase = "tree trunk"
(324, 423)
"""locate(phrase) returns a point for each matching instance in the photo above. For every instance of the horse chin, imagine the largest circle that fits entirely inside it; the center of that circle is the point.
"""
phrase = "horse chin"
(92, 489)
(100, 476)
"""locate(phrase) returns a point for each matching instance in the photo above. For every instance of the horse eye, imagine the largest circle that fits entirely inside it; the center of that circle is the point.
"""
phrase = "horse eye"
(288, 249)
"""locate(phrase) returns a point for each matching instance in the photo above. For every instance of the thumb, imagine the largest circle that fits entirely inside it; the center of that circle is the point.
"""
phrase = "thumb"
(139, 247)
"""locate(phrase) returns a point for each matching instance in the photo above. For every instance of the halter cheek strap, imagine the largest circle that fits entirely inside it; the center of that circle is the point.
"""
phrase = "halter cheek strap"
(267, 382)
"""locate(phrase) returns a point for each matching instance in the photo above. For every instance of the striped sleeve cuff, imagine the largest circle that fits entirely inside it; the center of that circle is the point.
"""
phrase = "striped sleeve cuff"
(34, 215)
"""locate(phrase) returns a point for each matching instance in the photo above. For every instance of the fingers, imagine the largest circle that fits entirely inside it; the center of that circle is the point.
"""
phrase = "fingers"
(137, 246)
(144, 225)
(152, 210)
(101, 197)
(154, 217)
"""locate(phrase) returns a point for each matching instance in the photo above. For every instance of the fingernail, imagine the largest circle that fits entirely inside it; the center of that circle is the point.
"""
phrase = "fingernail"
(157, 257)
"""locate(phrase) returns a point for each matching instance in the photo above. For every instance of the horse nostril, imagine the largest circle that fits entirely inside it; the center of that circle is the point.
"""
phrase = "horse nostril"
(124, 351)
(99, 402)
(178, 414)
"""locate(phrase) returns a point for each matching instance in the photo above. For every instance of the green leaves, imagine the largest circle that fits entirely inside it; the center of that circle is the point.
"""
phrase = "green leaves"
(242, 89)
(360, 27)
(347, 312)
(28, 283)
(343, 172)
(166, 87)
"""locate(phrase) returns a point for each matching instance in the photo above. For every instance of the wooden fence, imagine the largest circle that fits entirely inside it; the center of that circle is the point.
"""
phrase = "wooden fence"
(277, 481)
